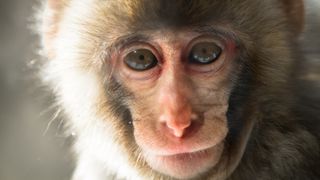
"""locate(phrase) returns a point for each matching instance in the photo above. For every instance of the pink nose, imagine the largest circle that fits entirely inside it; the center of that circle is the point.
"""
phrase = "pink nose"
(177, 121)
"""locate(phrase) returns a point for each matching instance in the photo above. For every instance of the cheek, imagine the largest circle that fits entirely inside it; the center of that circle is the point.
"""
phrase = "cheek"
(213, 91)
(216, 122)
(211, 96)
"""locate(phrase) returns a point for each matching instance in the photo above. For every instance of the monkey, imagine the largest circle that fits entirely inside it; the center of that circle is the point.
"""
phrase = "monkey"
(201, 89)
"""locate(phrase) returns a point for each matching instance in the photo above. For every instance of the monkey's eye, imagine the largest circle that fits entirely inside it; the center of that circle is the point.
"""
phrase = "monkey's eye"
(140, 60)
(204, 53)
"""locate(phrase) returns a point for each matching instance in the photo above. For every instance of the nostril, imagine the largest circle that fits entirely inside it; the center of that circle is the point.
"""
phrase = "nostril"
(177, 123)
(187, 131)
(177, 132)
(178, 128)
(185, 127)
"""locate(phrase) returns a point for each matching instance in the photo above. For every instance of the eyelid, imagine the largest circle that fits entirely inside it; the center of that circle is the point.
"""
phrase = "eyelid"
(220, 42)
(125, 41)
(125, 50)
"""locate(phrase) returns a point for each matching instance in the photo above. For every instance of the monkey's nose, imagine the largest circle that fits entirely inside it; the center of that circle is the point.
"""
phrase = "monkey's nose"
(178, 129)
(177, 122)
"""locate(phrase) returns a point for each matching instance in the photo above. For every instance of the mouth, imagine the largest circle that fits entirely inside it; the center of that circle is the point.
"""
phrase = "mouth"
(186, 164)
(189, 155)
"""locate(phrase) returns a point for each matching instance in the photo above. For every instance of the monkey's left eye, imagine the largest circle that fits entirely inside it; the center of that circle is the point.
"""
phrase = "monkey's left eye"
(204, 53)
(140, 60)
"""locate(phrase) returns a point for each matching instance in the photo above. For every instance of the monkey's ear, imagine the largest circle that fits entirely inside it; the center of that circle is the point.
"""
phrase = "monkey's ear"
(55, 4)
(294, 10)
(50, 23)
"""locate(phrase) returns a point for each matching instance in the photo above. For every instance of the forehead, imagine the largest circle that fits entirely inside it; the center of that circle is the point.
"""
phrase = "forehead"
(165, 12)
(154, 14)
(108, 20)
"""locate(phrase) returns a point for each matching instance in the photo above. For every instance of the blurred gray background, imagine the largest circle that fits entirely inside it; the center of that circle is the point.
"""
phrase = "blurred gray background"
(32, 147)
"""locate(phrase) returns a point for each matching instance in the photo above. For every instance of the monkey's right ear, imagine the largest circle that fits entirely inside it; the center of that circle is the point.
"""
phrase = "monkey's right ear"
(295, 13)
(50, 23)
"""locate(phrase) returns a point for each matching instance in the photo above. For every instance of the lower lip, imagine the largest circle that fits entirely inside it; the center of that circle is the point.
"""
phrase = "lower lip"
(186, 156)
(184, 163)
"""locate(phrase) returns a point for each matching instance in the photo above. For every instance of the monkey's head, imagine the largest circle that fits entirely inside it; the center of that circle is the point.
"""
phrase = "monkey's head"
(167, 88)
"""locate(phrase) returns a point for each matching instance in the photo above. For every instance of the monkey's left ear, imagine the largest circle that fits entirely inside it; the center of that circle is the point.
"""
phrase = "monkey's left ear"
(50, 23)
(294, 10)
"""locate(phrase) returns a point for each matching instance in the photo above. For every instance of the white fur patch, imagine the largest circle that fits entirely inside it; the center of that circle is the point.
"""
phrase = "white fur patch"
(79, 91)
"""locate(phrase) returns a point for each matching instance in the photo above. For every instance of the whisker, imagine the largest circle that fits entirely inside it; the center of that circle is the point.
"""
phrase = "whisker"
(54, 117)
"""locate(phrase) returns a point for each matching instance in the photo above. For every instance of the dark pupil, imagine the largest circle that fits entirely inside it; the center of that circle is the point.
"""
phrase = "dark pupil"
(204, 53)
(140, 60)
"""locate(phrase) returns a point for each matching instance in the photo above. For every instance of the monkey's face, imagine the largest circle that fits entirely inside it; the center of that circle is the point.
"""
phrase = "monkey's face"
(179, 87)
(152, 82)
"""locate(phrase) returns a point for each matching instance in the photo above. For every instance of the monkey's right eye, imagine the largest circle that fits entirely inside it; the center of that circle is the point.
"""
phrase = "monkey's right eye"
(204, 53)
(140, 60)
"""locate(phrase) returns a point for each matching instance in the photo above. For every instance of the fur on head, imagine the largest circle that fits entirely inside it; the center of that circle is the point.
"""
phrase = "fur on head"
(78, 36)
